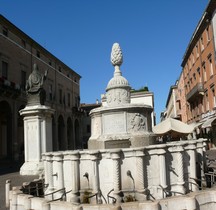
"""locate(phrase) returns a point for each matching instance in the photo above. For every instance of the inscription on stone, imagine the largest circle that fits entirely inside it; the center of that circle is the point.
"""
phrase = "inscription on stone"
(114, 123)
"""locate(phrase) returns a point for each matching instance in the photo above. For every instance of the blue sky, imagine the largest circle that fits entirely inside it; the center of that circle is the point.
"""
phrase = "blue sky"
(153, 36)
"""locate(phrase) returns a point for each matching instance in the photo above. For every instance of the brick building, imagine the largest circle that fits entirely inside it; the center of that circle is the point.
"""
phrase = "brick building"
(199, 70)
(196, 88)
(18, 53)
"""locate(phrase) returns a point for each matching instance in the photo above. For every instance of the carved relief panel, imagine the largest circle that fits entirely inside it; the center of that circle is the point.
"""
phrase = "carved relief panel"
(137, 122)
(118, 97)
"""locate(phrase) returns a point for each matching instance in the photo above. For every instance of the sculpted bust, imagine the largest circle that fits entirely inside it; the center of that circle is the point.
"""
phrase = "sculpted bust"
(34, 87)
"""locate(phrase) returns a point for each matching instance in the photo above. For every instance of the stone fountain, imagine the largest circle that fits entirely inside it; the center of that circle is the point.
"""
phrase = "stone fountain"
(120, 124)
(122, 163)
(122, 160)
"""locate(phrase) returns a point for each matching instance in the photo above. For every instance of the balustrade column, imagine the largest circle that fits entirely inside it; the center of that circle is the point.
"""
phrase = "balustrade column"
(162, 162)
(192, 169)
(157, 172)
(200, 160)
(140, 185)
(115, 155)
(96, 188)
(43, 158)
(204, 155)
(58, 158)
(49, 172)
(177, 169)
(74, 157)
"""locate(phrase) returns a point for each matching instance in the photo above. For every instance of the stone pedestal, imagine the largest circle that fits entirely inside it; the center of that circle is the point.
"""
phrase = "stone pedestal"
(126, 126)
(37, 137)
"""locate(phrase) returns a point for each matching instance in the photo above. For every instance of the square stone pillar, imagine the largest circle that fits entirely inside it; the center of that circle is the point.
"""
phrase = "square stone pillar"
(37, 137)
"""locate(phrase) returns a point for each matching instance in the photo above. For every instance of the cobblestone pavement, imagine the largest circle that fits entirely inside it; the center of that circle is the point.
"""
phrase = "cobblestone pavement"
(16, 180)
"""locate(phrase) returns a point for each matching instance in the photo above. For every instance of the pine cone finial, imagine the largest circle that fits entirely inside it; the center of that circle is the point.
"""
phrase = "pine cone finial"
(116, 55)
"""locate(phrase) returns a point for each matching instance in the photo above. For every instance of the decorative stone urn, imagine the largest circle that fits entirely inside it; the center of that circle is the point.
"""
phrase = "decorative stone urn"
(120, 124)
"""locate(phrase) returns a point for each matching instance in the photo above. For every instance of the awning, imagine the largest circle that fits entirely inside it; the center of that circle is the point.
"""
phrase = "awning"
(196, 124)
(208, 122)
(172, 125)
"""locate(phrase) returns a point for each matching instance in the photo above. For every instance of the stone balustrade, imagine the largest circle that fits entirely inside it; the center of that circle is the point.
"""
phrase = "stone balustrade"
(146, 173)
(201, 200)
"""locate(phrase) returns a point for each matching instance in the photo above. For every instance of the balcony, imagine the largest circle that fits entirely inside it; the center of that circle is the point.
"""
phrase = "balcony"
(198, 90)
(9, 89)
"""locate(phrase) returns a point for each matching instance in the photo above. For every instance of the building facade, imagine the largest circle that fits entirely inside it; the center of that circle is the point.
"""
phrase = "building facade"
(196, 89)
(199, 70)
(18, 53)
(176, 102)
(181, 102)
(171, 103)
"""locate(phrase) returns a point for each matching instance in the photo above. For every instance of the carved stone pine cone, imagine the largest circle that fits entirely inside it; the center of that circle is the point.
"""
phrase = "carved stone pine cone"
(116, 55)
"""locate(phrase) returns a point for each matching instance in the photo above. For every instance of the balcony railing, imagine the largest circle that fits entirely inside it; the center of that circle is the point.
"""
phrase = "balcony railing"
(8, 88)
(198, 90)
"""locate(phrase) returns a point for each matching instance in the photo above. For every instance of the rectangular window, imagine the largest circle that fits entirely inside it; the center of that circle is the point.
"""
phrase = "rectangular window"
(194, 76)
(210, 65)
(193, 58)
(202, 44)
(38, 54)
(189, 61)
(50, 92)
(197, 51)
(198, 72)
(207, 101)
(60, 96)
(204, 71)
(68, 99)
(207, 34)
(5, 31)
(77, 101)
(213, 97)
(23, 79)
(23, 43)
(4, 69)
(179, 105)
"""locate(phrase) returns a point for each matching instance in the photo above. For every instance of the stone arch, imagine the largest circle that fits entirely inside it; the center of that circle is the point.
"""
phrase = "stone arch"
(77, 135)
(6, 144)
(61, 136)
(70, 133)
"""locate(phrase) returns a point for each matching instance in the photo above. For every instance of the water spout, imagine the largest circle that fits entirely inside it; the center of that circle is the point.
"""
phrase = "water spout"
(86, 175)
(130, 175)
(56, 174)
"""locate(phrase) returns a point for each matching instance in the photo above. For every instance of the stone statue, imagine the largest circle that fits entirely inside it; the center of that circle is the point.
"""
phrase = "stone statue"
(36, 95)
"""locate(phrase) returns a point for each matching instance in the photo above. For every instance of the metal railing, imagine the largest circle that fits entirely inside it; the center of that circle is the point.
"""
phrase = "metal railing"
(62, 196)
(210, 178)
(35, 188)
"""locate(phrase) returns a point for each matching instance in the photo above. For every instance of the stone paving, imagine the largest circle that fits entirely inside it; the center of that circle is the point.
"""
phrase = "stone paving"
(16, 180)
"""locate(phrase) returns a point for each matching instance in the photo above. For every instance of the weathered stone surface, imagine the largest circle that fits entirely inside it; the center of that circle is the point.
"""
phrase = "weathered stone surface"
(37, 137)
(120, 124)
(36, 95)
